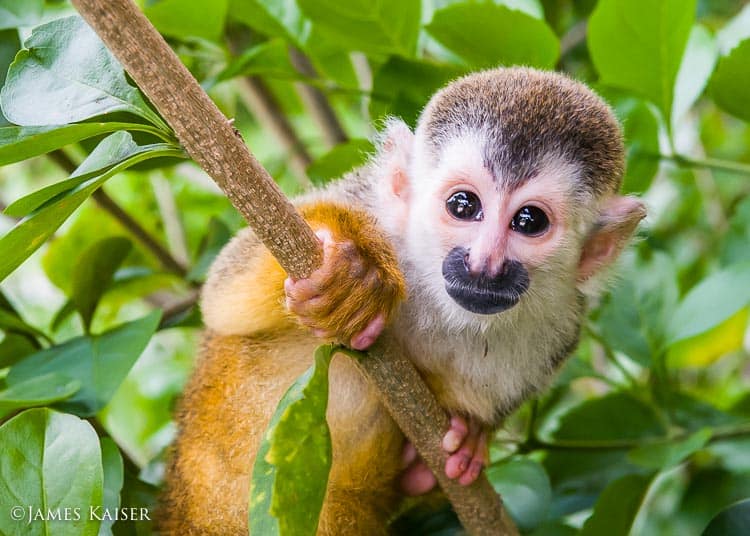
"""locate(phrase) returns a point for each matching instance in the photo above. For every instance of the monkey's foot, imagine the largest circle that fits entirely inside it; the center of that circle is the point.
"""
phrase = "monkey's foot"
(466, 442)
(417, 479)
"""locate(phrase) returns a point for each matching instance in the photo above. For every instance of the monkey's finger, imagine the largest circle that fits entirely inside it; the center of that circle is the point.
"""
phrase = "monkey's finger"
(365, 338)
(301, 289)
(417, 479)
(456, 434)
(481, 454)
(342, 263)
(459, 462)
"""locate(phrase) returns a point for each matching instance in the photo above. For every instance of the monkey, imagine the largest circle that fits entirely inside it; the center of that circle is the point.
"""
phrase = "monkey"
(473, 243)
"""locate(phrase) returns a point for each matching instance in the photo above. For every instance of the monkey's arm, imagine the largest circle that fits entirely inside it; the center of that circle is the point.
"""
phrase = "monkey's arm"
(359, 281)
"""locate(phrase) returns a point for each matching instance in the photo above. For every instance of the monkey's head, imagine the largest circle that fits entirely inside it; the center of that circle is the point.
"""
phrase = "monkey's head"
(507, 191)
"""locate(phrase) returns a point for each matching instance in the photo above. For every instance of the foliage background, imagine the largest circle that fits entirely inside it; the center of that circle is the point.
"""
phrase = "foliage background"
(647, 429)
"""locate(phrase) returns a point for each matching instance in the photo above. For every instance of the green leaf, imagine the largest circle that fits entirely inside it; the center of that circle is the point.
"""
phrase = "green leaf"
(666, 454)
(525, 488)
(9, 46)
(332, 62)
(188, 18)
(591, 422)
(339, 160)
(215, 239)
(15, 347)
(296, 443)
(270, 58)
(731, 80)
(112, 150)
(114, 476)
(635, 316)
(711, 302)
(617, 507)
(732, 521)
(736, 244)
(735, 31)
(637, 45)
(533, 8)
(579, 475)
(38, 391)
(276, 18)
(20, 143)
(555, 529)
(373, 27)
(642, 141)
(18, 13)
(698, 63)
(93, 274)
(98, 362)
(487, 35)
(402, 87)
(708, 347)
(65, 74)
(29, 234)
(50, 461)
(13, 323)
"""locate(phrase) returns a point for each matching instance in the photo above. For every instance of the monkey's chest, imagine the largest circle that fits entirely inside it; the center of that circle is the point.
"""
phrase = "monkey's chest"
(485, 376)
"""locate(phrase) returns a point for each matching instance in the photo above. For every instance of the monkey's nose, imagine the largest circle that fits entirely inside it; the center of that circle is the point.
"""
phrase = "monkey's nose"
(486, 267)
(493, 271)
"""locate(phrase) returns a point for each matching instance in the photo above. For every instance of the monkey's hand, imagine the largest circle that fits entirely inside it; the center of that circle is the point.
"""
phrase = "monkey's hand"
(465, 442)
(352, 296)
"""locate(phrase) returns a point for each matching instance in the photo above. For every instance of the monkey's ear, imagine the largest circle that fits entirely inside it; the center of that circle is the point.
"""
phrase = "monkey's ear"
(396, 148)
(618, 219)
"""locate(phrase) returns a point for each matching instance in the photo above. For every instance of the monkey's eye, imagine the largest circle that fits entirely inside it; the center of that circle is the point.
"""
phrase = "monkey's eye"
(464, 206)
(531, 221)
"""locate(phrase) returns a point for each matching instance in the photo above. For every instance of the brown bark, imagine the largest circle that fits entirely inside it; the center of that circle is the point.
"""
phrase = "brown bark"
(206, 134)
(210, 139)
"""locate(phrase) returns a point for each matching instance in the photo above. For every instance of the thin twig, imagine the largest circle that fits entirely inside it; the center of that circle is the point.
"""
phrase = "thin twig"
(109, 205)
(170, 215)
(262, 104)
(718, 434)
(179, 307)
(316, 102)
(573, 37)
(708, 163)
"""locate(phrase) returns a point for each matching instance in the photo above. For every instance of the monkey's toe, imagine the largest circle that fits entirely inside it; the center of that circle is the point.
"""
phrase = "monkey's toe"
(467, 443)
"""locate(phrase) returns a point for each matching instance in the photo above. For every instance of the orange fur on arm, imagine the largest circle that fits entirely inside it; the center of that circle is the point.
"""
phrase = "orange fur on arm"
(244, 292)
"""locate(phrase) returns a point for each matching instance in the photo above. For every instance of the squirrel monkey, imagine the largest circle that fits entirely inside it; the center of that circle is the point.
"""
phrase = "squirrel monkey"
(469, 243)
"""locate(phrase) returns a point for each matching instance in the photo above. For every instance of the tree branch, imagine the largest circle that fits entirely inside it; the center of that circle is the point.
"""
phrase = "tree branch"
(316, 101)
(715, 164)
(109, 205)
(210, 139)
(573, 37)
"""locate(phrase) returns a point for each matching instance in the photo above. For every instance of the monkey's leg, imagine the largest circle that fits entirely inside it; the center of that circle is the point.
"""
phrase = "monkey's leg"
(363, 492)
(226, 408)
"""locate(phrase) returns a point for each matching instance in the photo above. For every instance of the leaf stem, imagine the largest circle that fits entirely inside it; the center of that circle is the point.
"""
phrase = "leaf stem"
(708, 163)
(621, 444)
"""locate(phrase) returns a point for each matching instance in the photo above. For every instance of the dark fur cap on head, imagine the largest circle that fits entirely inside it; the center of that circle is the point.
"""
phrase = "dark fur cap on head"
(527, 115)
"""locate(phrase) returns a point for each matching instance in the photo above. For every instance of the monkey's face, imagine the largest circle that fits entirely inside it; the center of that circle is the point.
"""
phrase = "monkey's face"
(494, 238)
